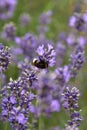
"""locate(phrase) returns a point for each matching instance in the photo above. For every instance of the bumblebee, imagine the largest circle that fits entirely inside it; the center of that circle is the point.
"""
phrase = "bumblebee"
(40, 63)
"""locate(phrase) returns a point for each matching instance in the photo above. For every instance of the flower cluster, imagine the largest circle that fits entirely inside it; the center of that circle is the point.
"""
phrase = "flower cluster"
(42, 85)
(24, 19)
(7, 8)
(5, 58)
(63, 75)
(29, 76)
(71, 96)
(27, 44)
(16, 103)
(77, 60)
(9, 32)
(44, 20)
(78, 21)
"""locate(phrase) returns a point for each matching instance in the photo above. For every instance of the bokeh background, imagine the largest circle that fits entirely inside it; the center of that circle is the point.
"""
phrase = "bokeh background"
(62, 10)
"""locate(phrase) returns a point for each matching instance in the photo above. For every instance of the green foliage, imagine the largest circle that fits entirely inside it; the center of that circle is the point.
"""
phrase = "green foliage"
(62, 10)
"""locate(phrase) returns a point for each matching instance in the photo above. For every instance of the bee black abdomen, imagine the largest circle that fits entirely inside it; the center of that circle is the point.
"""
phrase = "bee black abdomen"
(42, 64)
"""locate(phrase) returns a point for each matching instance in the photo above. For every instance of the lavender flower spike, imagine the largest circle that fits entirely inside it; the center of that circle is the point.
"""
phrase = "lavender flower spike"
(45, 18)
(5, 57)
(71, 96)
(7, 8)
(24, 19)
(9, 31)
(77, 60)
(77, 22)
(16, 103)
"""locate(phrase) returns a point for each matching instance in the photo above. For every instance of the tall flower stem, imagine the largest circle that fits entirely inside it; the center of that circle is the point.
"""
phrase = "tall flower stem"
(6, 125)
(41, 124)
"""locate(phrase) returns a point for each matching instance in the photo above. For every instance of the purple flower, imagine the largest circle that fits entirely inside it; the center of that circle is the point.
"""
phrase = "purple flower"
(63, 75)
(21, 119)
(71, 39)
(72, 21)
(75, 119)
(28, 44)
(16, 103)
(77, 60)
(77, 22)
(24, 19)
(40, 50)
(17, 40)
(27, 72)
(5, 58)
(62, 36)
(22, 65)
(29, 76)
(13, 100)
(5, 113)
(45, 18)
(6, 105)
(7, 8)
(71, 96)
(18, 119)
(81, 41)
(85, 17)
(16, 53)
(9, 32)
(55, 106)
(42, 30)
(32, 109)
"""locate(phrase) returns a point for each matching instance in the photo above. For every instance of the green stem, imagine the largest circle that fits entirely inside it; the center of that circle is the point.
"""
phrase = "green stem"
(40, 123)
(6, 125)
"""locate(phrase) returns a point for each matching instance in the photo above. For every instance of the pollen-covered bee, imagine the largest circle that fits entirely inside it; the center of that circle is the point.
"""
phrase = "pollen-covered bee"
(40, 63)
